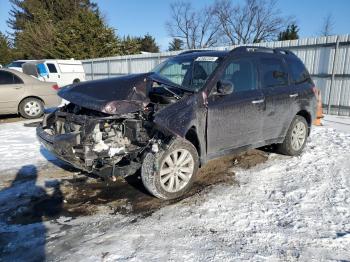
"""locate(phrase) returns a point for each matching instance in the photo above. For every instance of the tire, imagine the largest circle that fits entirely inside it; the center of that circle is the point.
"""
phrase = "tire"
(156, 175)
(31, 108)
(296, 137)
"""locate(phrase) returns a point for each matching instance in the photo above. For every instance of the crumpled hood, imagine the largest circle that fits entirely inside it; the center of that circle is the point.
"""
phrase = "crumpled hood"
(118, 95)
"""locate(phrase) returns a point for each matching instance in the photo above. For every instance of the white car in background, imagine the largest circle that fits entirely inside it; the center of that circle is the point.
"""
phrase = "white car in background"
(17, 65)
(63, 72)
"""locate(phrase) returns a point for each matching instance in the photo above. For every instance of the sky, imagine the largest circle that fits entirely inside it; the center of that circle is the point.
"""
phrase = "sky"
(138, 17)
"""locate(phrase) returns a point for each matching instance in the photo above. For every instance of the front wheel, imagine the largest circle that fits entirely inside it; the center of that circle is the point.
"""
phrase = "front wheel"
(296, 137)
(170, 173)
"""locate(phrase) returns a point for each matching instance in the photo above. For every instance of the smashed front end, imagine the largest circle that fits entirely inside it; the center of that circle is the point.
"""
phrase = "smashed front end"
(107, 145)
(110, 124)
(107, 126)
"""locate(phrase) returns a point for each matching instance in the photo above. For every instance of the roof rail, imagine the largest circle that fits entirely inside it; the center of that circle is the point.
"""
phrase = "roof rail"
(262, 49)
(284, 51)
(194, 51)
(247, 48)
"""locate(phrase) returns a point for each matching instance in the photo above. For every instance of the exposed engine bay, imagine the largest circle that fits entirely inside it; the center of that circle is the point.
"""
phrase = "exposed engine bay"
(105, 144)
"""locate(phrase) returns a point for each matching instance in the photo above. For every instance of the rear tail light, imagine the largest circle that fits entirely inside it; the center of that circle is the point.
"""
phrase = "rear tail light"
(56, 87)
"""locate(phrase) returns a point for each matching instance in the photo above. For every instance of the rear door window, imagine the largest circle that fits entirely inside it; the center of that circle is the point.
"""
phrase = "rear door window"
(273, 73)
(7, 78)
(242, 74)
(17, 80)
(299, 73)
(52, 68)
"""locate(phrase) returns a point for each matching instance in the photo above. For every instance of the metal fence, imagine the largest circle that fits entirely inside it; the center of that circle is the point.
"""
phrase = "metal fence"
(327, 59)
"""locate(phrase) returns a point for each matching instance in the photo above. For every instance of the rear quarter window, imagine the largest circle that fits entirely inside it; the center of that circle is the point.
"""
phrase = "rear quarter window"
(298, 71)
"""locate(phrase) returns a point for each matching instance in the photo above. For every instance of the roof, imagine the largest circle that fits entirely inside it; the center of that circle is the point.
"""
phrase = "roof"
(24, 77)
(196, 53)
(24, 60)
(241, 49)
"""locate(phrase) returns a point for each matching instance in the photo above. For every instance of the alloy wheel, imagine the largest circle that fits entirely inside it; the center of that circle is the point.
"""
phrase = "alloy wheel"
(176, 170)
(298, 136)
(32, 108)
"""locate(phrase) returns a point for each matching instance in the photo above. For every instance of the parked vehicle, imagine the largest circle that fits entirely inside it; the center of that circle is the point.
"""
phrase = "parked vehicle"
(192, 108)
(63, 72)
(17, 65)
(23, 94)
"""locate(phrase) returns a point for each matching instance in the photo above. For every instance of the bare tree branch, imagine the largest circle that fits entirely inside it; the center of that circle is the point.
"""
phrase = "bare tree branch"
(254, 21)
(197, 29)
(328, 25)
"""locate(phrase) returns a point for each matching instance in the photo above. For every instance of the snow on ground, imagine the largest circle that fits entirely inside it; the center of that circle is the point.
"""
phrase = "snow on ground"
(19, 146)
(340, 123)
(289, 208)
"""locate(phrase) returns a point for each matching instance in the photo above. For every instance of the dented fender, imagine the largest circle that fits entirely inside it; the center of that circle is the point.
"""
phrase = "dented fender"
(178, 118)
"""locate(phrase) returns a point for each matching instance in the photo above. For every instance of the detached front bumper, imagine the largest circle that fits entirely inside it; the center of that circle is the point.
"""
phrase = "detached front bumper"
(62, 146)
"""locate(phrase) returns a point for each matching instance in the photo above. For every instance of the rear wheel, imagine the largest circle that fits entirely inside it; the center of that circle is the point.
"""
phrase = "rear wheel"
(31, 108)
(170, 173)
(296, 137)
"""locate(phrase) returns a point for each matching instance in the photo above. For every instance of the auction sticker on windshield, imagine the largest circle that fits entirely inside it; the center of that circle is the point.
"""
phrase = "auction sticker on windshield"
(207, 58)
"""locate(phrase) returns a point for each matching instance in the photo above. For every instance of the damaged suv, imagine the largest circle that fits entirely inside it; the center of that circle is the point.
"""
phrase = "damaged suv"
(191, 108)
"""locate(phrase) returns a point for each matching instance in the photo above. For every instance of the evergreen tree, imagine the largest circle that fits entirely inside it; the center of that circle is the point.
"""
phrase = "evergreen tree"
(61, 29)
(148, 44)
(6, 54)
(291, 33)
(176, 44)
(130, 45)
(135, 45)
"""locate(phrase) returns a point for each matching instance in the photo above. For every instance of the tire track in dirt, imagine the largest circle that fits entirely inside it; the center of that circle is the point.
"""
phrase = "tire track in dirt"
(75, 195)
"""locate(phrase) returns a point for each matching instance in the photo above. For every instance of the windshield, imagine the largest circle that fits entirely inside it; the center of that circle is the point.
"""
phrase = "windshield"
(15, 64)
(191, 73)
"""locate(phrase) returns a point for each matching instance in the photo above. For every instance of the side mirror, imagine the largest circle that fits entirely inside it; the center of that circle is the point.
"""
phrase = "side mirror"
(224, 87)
(42, 70)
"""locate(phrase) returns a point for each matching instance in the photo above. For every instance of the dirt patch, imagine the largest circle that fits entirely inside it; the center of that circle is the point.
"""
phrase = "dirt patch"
(81, 195)
(84, 196)
(10, 118)
(251, 158)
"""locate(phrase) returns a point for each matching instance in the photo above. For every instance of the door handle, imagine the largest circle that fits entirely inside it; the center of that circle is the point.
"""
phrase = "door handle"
(293, 95)
(258, 101)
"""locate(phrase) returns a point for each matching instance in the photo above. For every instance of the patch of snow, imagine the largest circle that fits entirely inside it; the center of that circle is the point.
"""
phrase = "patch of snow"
(340, 123)
(289, 208)
(19, 146)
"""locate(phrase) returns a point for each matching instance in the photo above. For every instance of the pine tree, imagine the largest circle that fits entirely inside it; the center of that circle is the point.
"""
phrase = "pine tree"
(130, 45)
(291, 33)
(61, 29)
(176, 44)
(6, 54)
(148, 44)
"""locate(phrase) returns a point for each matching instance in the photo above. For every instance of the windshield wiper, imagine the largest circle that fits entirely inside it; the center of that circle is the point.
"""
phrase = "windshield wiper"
(170, 91)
